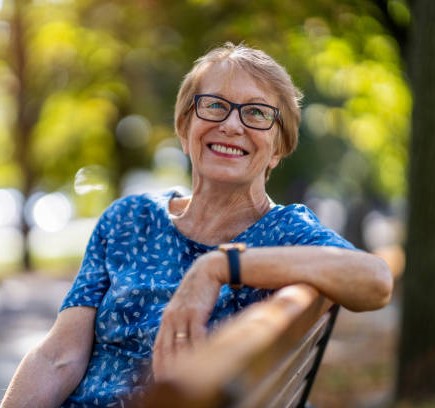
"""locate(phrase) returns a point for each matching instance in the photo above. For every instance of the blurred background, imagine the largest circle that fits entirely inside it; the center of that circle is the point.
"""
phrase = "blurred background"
(87, 90)
(87, 95)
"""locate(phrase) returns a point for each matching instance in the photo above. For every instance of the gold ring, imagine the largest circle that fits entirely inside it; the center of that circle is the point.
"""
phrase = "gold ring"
(181, 335)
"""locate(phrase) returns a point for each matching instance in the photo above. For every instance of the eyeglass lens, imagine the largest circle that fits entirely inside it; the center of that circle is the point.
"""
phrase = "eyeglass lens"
(217, 109)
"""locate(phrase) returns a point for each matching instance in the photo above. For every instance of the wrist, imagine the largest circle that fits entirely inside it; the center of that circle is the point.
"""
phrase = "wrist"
(232, 251)
(215, 266)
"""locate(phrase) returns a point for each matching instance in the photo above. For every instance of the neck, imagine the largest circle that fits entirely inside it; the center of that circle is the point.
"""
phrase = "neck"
(215, 215)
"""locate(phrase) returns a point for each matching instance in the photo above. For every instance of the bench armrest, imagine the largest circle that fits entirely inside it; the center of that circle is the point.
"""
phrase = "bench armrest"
(252, 357)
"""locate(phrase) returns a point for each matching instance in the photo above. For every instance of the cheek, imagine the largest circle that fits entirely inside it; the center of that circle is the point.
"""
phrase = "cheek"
(271, 142)
(276, 141)
(190, 143)
(195, 132)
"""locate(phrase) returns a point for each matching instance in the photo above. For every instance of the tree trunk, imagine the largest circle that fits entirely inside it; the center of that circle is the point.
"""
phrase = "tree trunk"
(416, 373)
(24, 121)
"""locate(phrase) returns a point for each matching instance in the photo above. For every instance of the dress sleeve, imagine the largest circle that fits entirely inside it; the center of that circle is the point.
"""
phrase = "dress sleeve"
(306, 229)
(92, 281)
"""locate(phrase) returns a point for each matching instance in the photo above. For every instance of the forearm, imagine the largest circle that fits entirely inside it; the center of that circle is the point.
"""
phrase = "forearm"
(41, 382)
(355, 279)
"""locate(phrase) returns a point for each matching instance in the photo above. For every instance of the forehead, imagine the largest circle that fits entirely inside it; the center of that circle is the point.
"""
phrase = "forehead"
(232, 81)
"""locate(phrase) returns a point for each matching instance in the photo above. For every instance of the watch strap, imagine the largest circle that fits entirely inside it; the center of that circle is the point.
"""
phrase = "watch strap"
(234, 264)
(233, 255)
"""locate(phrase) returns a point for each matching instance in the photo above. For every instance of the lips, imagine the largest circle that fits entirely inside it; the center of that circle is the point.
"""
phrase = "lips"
(227, 149)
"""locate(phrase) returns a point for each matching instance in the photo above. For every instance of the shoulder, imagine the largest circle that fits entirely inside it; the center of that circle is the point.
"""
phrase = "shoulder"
(133, 210)
(297, 214)
(132, 202)
(301, 225)
(135, 204)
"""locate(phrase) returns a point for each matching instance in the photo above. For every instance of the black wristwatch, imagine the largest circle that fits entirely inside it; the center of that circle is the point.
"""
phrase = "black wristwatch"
(233, 252)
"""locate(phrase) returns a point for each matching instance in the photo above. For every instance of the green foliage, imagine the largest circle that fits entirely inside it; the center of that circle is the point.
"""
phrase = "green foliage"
(367, 103)
(72, 132)
(91, 63)
(9, 171)
(399, 12)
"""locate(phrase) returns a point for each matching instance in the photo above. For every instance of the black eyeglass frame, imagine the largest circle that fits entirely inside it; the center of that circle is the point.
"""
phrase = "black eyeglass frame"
(238, 106)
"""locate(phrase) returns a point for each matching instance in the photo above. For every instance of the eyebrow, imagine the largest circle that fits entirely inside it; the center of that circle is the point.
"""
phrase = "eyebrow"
(255, 99)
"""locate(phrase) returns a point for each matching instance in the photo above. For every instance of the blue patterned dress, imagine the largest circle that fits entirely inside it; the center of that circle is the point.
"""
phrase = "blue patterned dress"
(133, 264)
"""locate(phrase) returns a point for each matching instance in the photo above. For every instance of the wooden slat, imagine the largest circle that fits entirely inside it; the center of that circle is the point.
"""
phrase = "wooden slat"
(286, 378)
(247, 352)
(295, 399)
(296, 383)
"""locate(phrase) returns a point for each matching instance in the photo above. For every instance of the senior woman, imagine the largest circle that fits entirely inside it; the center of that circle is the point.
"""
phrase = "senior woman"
(157, 263)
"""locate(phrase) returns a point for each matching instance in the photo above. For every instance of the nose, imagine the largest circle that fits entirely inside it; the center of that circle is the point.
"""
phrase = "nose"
(232, 124)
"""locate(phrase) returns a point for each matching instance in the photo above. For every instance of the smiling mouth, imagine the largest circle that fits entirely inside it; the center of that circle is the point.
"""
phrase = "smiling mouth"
(230, 150)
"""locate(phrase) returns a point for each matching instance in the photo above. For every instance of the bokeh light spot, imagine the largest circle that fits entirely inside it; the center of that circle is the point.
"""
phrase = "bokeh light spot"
(52, 212)
(91, 178)
(133, 131)
(10, 207)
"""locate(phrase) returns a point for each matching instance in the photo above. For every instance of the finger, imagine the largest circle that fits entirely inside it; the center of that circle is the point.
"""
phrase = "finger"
(198, 332)
(181, 339)
(164, 349)
(165, 344)
(181, 336)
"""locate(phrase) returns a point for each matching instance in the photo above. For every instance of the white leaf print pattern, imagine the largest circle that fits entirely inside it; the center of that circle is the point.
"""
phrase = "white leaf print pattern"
(133, 264)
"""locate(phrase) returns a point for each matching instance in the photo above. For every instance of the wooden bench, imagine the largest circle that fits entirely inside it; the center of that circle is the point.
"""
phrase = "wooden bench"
(267, 356)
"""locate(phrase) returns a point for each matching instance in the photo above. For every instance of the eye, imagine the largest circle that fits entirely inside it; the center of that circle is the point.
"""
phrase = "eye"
(258, 113)
(216, 105)
(254, 111)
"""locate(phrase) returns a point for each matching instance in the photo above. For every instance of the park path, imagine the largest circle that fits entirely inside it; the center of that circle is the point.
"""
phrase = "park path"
(357, 370)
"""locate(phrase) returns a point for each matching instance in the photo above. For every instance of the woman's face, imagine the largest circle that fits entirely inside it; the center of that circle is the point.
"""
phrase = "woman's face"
(229, 151)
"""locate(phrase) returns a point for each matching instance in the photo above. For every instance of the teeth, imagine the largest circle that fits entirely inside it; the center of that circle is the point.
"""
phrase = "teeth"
(227, 150)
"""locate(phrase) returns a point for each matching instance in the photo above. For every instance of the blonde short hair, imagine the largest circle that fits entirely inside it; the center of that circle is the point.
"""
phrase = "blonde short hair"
(265, 70)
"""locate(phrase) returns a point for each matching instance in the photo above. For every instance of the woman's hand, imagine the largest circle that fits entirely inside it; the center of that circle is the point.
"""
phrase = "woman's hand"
(184, 319)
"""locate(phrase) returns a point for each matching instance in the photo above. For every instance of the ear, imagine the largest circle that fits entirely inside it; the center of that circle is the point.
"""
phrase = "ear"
(182, 129)
(274, 161)
(184, 144)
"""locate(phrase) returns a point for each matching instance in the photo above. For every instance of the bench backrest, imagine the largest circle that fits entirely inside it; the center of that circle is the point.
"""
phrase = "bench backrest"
(267, 356)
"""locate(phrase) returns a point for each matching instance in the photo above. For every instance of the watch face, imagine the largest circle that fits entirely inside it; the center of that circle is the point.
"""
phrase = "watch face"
(239, 246)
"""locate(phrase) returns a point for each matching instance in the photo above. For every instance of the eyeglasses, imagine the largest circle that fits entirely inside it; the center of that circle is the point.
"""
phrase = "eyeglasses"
(253, 115)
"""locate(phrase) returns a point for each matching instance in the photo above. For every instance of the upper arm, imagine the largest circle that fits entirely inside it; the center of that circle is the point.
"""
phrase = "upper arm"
(51, 371)
(69, 342)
